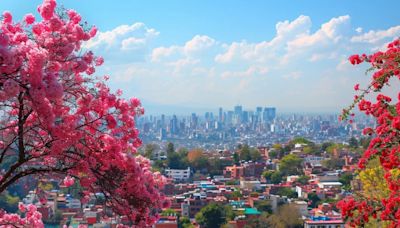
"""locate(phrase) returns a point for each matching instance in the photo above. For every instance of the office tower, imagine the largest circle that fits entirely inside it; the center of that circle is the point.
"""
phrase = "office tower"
(220, 115)
(237, 118)
(229, 117)
(269, 114)
(162, 120)
(245, 117)
(193, 121)
(173, 125)
(238, 110)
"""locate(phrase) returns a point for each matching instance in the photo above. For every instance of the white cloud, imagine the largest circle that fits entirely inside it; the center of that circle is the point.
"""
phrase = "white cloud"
(303, 64)
(162, 52)
(266, 50)
(329, 32)
(185, 54)
(123, 37)
(132, 43)
(374, 37)
(198, 43)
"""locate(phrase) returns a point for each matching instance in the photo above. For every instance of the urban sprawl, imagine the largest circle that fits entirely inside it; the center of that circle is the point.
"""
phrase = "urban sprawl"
(233, 168)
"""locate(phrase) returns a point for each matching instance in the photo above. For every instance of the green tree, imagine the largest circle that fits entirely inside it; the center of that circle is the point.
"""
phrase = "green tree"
(236, 158)
(353, 142)
(211, 216)
(291, 164)
(345, 179)
(303, 179)
(313, 198)
(200, 164)
(325, 145)
(149, 150)
(300, 140)
(217, 166)
(274, 177)
(170, 148)
(258, 222)
(185, 222)
(236, 194)
(287, 216)
(168, 212)
(245, 153)
(288, 192)
(175, 161)
(232, 182)
(230, 214)
(273, 154)
(263, 205)
(333, 163)
(255, 154)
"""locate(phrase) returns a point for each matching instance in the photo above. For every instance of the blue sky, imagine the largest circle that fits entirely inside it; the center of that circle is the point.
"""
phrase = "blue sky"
(179, 56)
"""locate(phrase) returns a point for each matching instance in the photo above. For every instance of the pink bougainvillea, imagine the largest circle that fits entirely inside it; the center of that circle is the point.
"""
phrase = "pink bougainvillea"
(385, 140)
(59, 118)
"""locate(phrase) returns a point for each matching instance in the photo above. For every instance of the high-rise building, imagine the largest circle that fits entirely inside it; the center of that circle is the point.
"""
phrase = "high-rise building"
(238, 110)
(173, 125)
(193, 121)
(245, 116)
(220, 115)
(269, 114)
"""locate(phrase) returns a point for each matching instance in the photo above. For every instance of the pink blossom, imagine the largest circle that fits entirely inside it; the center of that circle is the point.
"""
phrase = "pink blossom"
(99, 61)
(46, 10)
(68, 181)
(73, 121)
(29, 19)
(93, 31)
(21, 207)
(7, 17)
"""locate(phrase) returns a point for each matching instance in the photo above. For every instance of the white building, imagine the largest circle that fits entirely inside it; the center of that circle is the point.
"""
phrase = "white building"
(327, 185)
(178, 174)
(251, 185)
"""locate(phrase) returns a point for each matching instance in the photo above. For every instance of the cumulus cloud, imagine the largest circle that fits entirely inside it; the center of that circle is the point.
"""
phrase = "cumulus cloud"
(198, 43)
(162, 52)
(374, 37)
(302, 64)
(123, 37)
(185, 53)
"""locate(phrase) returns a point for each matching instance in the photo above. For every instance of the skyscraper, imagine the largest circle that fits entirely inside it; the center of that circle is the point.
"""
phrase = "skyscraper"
(220, 115)
(269, 114)
(238, 110)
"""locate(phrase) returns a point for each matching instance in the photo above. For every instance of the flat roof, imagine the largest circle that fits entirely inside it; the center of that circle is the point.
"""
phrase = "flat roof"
(251, 211)
(336, 221)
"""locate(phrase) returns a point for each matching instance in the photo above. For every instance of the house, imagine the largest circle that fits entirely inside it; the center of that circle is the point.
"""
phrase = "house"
(178, 174)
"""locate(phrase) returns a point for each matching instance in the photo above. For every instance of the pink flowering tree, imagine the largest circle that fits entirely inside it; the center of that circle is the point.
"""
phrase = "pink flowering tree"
(385, 142)
(58, 119)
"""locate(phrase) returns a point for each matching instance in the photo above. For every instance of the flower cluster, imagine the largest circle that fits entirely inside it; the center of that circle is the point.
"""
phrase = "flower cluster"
(58, 118)
(32, 218)
(384, 144)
